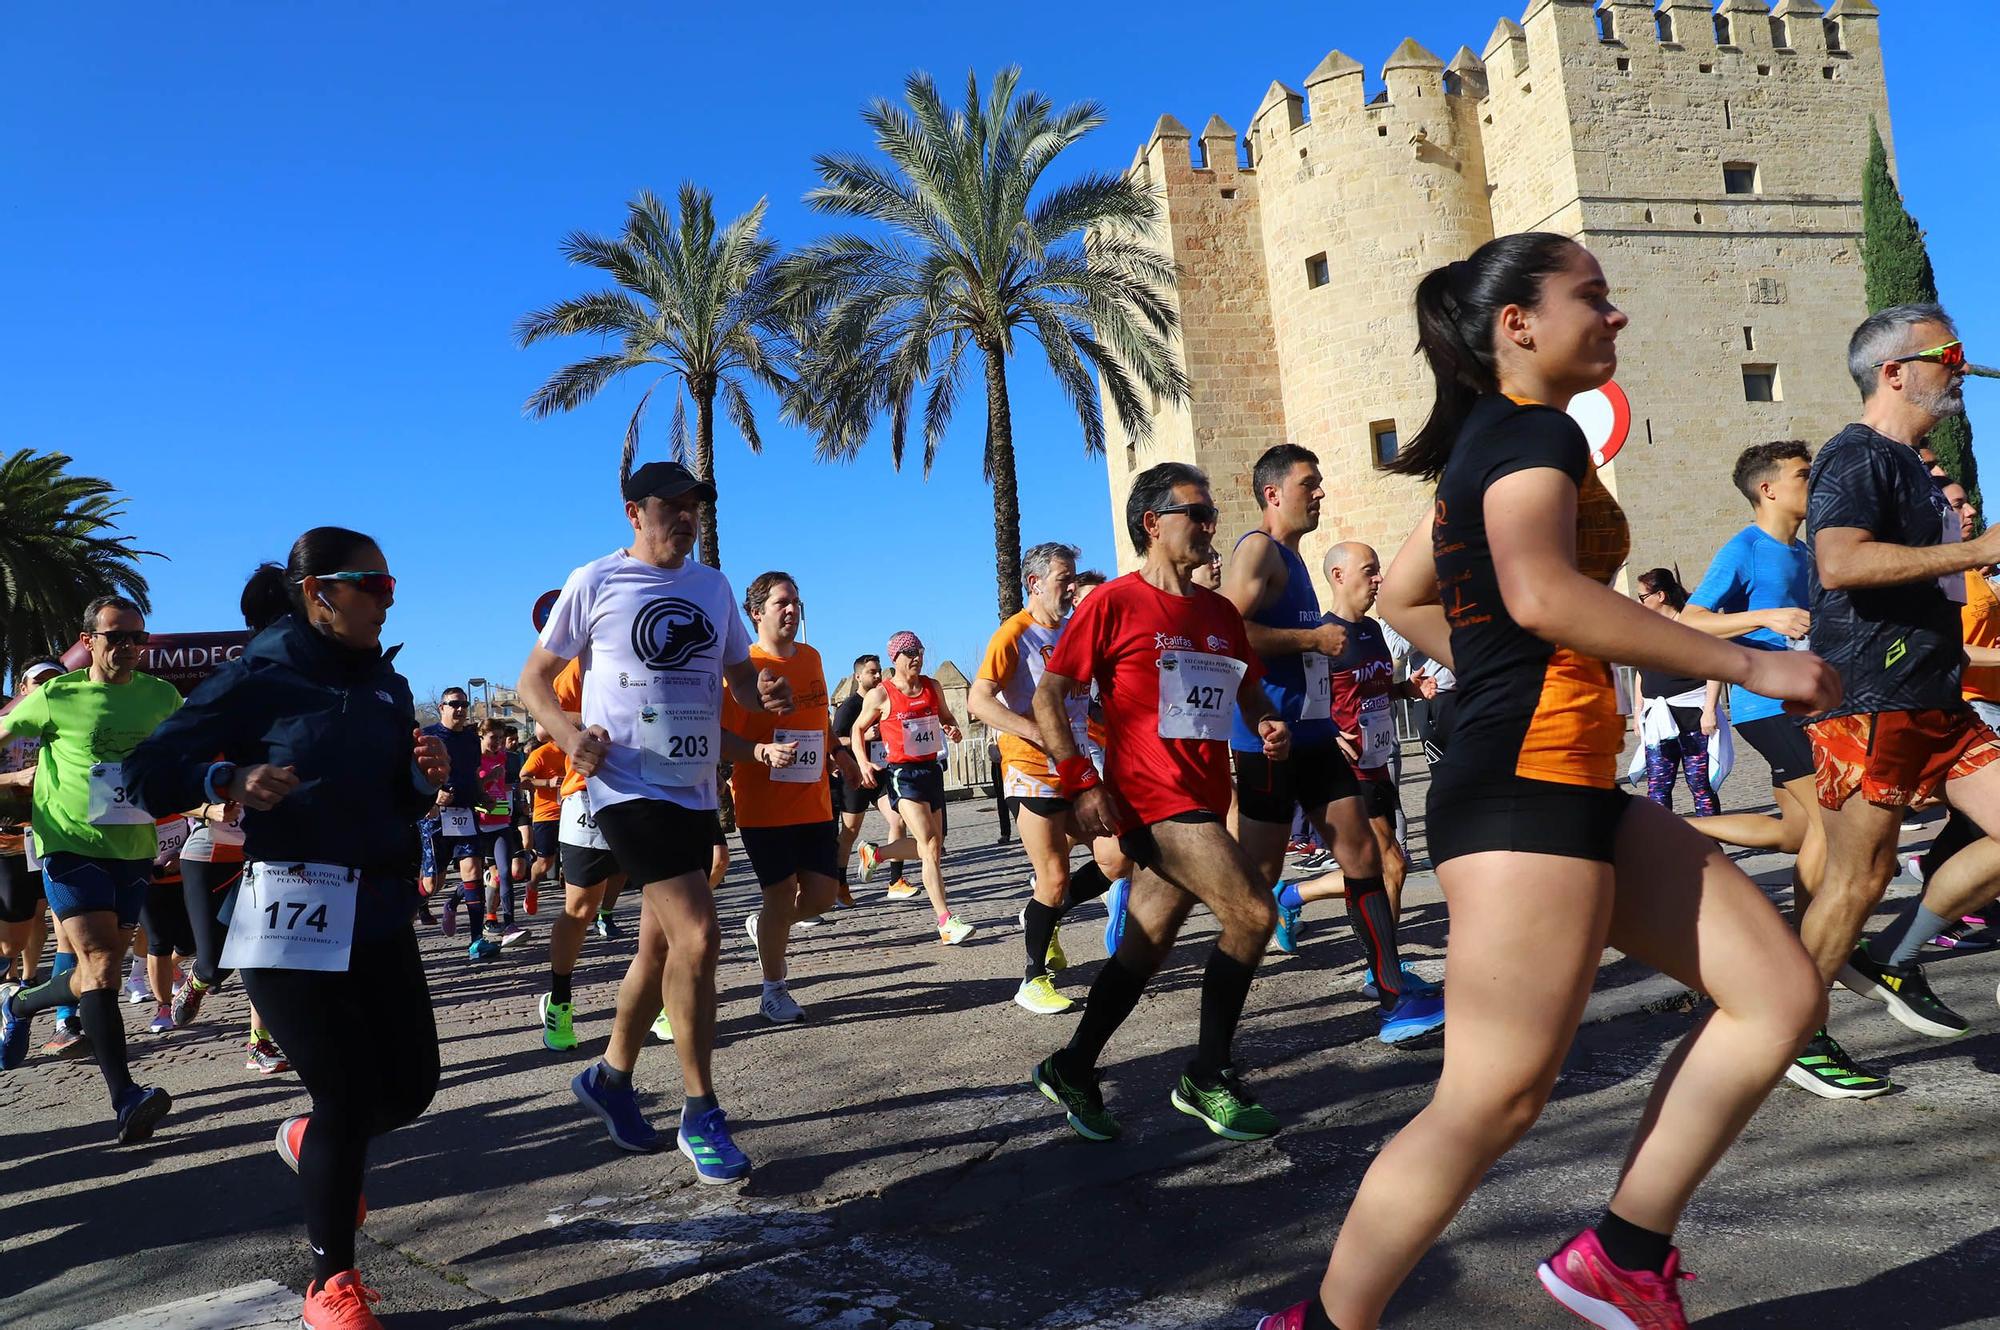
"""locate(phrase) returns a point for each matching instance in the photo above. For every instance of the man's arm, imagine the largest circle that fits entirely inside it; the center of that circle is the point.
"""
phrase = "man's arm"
(1851, 559)
(1792, 623)
(1255, 576)
(537, 689)
(1051, 707)
(986, 706)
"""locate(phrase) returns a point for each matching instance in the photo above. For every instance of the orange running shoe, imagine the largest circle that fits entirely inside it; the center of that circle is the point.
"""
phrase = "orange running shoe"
(341, 1303)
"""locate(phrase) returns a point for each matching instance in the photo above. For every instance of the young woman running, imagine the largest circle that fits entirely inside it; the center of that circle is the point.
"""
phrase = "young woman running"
(1673, 715)
(1543, 860)
(318, 740)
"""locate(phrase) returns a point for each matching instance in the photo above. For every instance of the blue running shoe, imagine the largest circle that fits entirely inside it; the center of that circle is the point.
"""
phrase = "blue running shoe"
(482, 949)
(707, 1143)
(619, 1110)
(1414, 985)
(1412, 1017)
(1114, 903)
(14, 1031)
(140, 1109)
(1287, 935)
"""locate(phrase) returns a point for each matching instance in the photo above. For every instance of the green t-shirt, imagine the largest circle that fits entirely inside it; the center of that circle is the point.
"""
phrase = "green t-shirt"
(82, 724)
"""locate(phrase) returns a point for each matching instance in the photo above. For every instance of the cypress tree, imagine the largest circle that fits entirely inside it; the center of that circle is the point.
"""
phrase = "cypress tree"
(1896, 270)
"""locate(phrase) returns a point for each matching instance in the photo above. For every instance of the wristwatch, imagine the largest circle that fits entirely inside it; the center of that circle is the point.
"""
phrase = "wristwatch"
(221, 776)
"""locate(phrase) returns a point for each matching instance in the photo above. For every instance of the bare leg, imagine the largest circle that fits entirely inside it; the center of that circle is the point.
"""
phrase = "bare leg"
(639, 999)
(685, 908)
(1395, 863)
(1860, 860)
(925, 843)
(580, 906)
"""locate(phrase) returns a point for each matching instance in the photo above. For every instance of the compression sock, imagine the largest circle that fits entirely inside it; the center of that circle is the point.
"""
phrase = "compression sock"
(1086, 884)
(65, 962)
(1899, 943)
(559, 988)
(1112, 998)
(106, 1029)
(1038, 929)
(611, 1078)
(895, 870)
(1225, 986)
(57, 991)
(1631, 1247)
(695, 1105)
(1316, 1317)
(1289, 897)
(1368, 912)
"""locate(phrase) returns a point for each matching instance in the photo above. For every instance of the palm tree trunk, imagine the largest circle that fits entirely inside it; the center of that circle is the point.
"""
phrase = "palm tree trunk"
(710, 552)
(1000, 473)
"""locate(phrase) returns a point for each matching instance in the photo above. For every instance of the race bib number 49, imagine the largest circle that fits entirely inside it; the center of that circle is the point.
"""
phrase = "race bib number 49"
(112, 803)
(292, 917)
(1197, 694)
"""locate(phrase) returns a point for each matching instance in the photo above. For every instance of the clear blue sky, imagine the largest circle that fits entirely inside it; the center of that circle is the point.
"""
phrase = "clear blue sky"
(263, 262)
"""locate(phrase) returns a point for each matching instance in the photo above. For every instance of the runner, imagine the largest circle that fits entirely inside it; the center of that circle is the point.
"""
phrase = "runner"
(497, 840)
(21, 896)
(542, 777)
(169, 935)
(784, 807)
(1755, 592)
(1673, 715)
(660, 638)
(95, 841)
(1542, 858)
(1271, 587)
(1169, 659)
(1085, 582)
(907, 709)
(318, 741)
(1002, 697)
(457, 836)
(855, 798)
(1887, 581)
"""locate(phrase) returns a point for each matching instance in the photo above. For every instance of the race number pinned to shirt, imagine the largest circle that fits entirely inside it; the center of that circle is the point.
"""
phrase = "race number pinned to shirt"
(678, 742)
(456, 823)
(1319, 686)
(112, 803)
(227, 831)
(923, 736)
(579, 827)
(1378, 733)
(878, 752)
(292, 917)
(1197, 694)
(809, 761)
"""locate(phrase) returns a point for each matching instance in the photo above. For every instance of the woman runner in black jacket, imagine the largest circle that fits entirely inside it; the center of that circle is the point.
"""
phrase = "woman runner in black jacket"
(320, 747)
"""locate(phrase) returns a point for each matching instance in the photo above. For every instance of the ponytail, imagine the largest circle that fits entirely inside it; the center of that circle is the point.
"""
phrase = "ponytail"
(274, 590)
(266, 598)
(1456, 306)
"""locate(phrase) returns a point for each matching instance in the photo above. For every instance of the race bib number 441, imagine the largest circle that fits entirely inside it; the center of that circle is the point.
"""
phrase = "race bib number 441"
(292, 917)
(922, 736)
(1197, 694)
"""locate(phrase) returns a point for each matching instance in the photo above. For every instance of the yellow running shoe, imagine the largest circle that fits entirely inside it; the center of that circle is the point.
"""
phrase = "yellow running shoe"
(900, 890)
(868, 857)
(1039, 996)
(663, 1030)
(1057, 962)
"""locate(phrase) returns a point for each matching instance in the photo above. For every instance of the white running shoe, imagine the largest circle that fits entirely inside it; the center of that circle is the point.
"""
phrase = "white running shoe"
(954, 930)
(138, 988)
(663, 1029)
(750, 927)
(777, 1005)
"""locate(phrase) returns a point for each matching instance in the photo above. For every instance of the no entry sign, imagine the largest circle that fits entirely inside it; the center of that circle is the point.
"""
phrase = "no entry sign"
(1606, 416)
(543, 604)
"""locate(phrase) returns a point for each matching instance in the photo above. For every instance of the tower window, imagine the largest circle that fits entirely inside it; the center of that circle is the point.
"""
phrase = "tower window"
(1760, 384)
(1624, 65)
(1317, 274)
(1382, 442)
(1663, 25)
(1740, 178)
(1781, 34)
(1228, 193)
(1607, 26)
(1749, 338)
(1722, 30)
(1832, 27)
(1826, 72)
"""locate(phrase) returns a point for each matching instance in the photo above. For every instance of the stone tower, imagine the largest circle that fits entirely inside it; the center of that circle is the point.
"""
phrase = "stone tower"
(1710, 157)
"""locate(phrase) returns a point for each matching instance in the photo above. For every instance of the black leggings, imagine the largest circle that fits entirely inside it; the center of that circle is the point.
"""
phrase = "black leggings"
(365, 1044)
(203, 887)
(168, 931)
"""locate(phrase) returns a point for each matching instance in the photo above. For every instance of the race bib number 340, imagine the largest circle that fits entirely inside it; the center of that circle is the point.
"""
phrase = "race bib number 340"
(1197, 694)
(292, 917)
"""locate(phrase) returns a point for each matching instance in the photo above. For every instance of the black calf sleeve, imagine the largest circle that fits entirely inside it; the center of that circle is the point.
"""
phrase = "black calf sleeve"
(1225, 986)
(1368, 912)
(106, 1029)
(1086, 884)
(1112, 998)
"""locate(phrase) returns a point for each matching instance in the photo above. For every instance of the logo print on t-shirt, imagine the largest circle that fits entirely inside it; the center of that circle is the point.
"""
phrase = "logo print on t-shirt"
(669, 634)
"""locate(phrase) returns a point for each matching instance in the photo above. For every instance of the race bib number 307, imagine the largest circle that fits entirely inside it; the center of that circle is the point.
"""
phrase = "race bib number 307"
(1197, 694)
(292, 917)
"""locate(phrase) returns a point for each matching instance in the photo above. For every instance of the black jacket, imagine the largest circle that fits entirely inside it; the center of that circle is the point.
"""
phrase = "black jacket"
(342, 720)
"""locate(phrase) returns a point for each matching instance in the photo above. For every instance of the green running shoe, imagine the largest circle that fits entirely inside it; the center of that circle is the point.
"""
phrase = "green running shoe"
(558, 1029)
(1083, 1103)
(663, 1029)
(1226, 1108)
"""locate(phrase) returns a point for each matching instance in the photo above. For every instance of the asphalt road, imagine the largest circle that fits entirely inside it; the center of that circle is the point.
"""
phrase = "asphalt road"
(907, 1179)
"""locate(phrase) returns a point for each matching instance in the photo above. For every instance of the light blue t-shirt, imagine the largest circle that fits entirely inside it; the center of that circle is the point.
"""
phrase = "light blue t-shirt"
(1755, 572)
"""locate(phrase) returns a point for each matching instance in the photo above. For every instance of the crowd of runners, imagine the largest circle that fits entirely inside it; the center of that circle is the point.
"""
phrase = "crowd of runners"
(1167, 738)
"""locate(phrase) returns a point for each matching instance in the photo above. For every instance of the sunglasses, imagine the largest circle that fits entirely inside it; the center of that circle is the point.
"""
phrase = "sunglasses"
(118, 638)
(1201, 514)
(1951, 355)
(453, 706)
(379, 585)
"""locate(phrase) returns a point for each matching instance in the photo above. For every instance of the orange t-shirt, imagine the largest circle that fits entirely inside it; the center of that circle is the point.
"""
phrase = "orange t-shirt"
(569, 696)
(1980, 619)
(545, 763)
(796, 794)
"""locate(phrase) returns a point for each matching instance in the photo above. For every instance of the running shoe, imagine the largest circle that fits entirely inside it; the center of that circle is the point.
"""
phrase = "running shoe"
(450, 924)
(68, 1040)
(618, 1109)
(14, 1031)
(750, 927)
(707, 1144)
(1291, 1318)
(1317, 859)
(810, 921)
(264, 1057)
(1826, 1070)
(1226, 1108)
(510, 935)
(777, 1005)
(1905, 991)
(607, 927)
(1082, 1100)
(292, 1139)
(900, 890)
(954, 930)
(1039, 996)
(163, 1019)
(663, 1029)
(1414, 984)
(1914, 866)
(1115, 901)
(140, 1109)
(844, 894)
(1582, 1278)
(1289, 917)
(482, 949)
(137, 988)
(868, 858)
(558, 1028)
(1413, 1017)
(187, 1001)
(341, 1303)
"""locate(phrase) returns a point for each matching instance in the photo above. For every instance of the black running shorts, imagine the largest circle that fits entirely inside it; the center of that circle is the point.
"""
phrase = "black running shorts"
(857, 799)
(1782, 742)
(168, 932)
(583, 866)
(656, 840)
(1379, 797)
(1472, 812)
(1311, 778)
(779, 853)
(20, 889)
(1039, 805)
(544, 838)
(919, 782)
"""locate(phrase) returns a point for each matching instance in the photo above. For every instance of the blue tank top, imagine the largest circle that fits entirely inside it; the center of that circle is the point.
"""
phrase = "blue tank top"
(1296, 606)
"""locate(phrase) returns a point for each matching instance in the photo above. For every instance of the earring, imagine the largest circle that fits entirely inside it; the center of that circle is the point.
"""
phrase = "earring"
(1527, 343)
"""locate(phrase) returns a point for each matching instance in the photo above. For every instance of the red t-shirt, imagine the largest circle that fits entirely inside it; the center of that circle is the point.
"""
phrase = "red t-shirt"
(910, 731)
(1138, 643)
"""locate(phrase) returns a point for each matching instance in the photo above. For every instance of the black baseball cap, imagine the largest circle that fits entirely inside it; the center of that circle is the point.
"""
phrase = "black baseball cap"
(666, 480)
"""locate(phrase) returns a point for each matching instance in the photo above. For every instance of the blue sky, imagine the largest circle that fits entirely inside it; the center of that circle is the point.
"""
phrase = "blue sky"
(263, 262)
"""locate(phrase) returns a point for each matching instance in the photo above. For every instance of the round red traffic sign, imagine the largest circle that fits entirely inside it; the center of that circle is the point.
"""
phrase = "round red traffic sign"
(1606, 416)
(543, 604)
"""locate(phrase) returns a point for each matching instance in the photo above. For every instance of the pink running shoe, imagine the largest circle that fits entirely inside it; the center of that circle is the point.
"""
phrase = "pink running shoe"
(1582, 1278)
(1291, 1318)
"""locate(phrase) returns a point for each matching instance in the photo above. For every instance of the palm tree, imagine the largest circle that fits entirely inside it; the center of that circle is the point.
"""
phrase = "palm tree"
(57, 554)
(972, 256)
(691, 303)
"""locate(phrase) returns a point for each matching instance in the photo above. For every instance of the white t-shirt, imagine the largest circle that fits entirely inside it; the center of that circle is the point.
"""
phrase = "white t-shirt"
(654, 643)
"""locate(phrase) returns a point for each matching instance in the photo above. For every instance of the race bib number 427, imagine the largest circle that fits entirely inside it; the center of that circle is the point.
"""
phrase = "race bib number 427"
(1197, 694)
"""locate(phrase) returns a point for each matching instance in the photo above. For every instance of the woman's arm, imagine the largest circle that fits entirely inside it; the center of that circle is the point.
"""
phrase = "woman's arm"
(169, 768)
